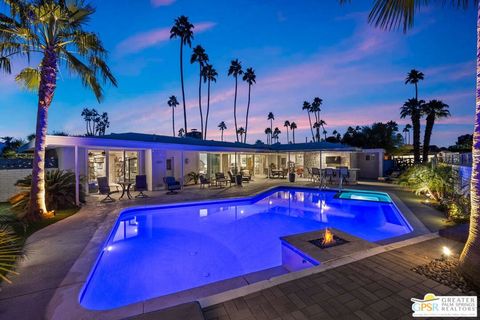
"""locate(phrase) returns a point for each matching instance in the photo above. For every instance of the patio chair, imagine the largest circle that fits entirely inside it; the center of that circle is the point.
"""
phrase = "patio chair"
(141, 186)
(329, 174)
(104, 189)
(343, 174)
(232, 178)
(220, 178)
(204, 181)
(172, 185)
(316, 174)
(246, 175)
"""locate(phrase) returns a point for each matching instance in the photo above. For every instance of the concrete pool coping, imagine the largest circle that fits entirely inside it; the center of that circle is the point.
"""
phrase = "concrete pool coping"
(65, 298)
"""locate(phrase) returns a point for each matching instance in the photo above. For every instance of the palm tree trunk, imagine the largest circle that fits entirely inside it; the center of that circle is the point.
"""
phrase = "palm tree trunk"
(427, 135)
(200, 99)
(222, 135)
(470, 257)
(183, 89)
(416, 138)
(271, 130)
(235, 108)
(208, 109)
(293, 135)
(248, 109)
(310, 121)
(173, 120)
(416, 91)
(48, 83)
(287, 135)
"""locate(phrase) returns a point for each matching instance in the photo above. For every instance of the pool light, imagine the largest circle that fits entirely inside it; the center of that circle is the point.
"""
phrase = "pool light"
(109, 248)
(270, 202)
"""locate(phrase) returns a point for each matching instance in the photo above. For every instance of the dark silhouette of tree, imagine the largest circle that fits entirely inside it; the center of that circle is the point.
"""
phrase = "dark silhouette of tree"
(10, 146)
(413, 108)
(201, 58)
(241, 132)
(408, 126)
(173, 103)
(315, 109)
(181, 132)
(413, 77)
(464, 143)
(276, 134)
(235, 70)
(271, 117)
(307, 106)
(54, 30)
(286, 124)
(293, 126)
(222, 126)
(268, 132)
(209, 75)
(96, 124)
(183, 29)
(433, 110)
(250, 78)
(378, 135)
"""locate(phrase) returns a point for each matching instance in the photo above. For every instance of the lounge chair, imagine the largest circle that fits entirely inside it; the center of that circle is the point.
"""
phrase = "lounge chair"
(141, 186)
(204, 181)
(220, 179)
(246, 176)
(172, 185)
(104, 189)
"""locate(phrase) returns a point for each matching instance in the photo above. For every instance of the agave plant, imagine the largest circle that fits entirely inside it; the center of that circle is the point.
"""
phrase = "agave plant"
(59, 191)
(10, 250)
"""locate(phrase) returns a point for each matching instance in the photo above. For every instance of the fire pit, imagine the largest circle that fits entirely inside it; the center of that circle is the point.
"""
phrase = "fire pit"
(328, 240)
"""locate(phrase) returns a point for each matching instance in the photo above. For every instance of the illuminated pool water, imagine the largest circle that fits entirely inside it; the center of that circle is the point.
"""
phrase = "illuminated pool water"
(154, 251)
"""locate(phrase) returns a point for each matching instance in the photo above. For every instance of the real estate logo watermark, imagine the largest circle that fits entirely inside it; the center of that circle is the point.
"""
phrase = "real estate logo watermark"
(444, 306)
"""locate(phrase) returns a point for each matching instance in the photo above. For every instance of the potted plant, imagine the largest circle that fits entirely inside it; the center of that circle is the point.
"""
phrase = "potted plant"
(291, 171)
(291, 176)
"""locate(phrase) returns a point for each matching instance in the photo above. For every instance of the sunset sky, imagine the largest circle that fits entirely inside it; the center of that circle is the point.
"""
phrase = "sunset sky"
(299, 49)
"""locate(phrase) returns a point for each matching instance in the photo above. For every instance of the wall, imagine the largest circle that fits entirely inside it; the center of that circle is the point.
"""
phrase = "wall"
(8, 178)
(369, 162)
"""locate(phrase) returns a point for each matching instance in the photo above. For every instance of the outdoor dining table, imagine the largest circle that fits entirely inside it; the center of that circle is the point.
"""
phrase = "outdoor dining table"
(126, 185)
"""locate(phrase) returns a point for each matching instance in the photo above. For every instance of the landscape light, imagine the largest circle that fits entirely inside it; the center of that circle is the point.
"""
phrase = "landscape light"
(446, 251)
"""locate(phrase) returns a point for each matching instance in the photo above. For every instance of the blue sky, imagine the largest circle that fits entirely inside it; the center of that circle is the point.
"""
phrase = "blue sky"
(299, 50)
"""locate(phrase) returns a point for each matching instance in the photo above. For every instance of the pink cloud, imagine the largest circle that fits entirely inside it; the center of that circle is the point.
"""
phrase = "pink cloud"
(144, 40)
(160, 3)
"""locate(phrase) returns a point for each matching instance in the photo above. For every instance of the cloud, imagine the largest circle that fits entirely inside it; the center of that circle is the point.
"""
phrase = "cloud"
(161, 3)
(144, 40)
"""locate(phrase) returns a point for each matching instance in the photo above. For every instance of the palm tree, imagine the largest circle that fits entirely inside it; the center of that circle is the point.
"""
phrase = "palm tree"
(322, 124)
(268, 132)
(293, 126)
(315, 109)
(235, 70)
(181, 132)
(201, 57)
(173, 103)
(325, 134)
(392, 14)
(276, 133)
(54, 30)
(271, 117)
(241, 131)
(434, 109)
(306, 106)
(405, 131)
(286, 124)
(250, 78)
(209, 75)
(222, 126)
(413, 108)
(183, 29)
(413, 77)
(408, 126)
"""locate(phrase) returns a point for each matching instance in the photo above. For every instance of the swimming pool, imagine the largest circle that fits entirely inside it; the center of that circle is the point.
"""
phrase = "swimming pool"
(155, 251)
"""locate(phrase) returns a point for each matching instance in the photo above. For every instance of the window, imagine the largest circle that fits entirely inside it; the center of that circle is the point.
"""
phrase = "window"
(370, 157)
(169, 164)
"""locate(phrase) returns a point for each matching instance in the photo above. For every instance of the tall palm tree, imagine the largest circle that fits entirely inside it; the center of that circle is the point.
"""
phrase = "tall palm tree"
(183, 29)
(413, 77)
(276, 134)
(222, 126)
(268, 132)
(434, 109)
(393, 14)
(271, 117)
(322, 124)
(315, 109)
(173, 103)
(408, 126)
(250, 78)
(413, 108)
(55, 31)
(241, 132)
(307, 106)
(201, 58)
(293, 126)
(286, 124)
(405, 131)
(209, 75)
(235, 70)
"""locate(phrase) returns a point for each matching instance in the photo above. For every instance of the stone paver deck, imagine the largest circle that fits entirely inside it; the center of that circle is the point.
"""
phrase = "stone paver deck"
(378, 287)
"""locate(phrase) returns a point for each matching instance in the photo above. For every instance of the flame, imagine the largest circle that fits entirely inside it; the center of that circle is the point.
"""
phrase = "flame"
(327, 238)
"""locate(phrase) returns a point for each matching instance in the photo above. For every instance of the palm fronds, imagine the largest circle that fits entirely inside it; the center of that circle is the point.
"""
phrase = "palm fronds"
(10, 250)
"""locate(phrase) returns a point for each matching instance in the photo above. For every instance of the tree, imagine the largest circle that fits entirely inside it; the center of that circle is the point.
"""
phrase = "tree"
(413, 77)
(53, 29)
(222, 126)
(434, 109)
(463, 144)
(408, 126)
(271, 117)
(378, 135)
(392, 14)
(173, 103)
(293, 126)
(276, 134)
(241, 131)
(307, 106)
(201, 58)
(10, 146)
(286, 124)
(209, 75)
(250, 78)
(405, 131)
(181, 132)
(183, 29)
(268, 132)
(315, 109)
(235, 70)
(96, 124)
(413, 108)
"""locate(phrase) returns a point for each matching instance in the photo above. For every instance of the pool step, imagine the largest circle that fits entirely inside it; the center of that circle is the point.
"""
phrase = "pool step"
(189, 310)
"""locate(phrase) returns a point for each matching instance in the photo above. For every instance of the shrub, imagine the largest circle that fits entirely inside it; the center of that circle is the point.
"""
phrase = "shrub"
(436, 182)
(459, 209)
(59, 191)
(193, 177)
